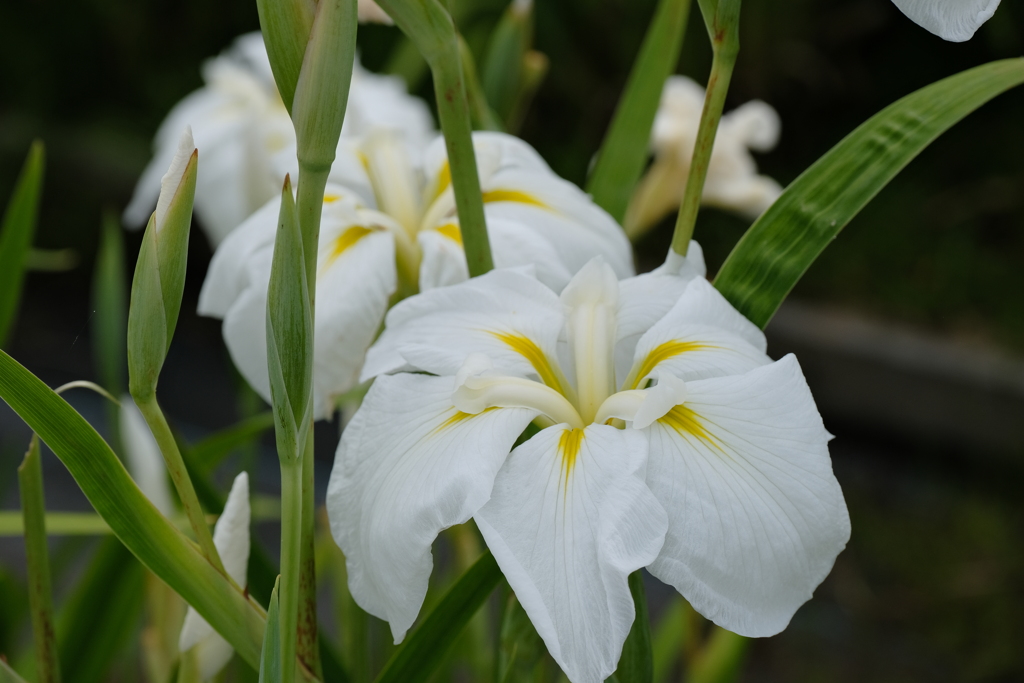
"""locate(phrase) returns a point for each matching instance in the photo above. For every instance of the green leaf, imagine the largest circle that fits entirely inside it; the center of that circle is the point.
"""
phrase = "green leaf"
(8, 675)
(270, 659)
(212, 450)
(285, 25)
(37, 554)
(289, 334)
(502, 72)
(483, 116)
(521, 648)
(635, 664)
(16, 232)
(101, 616)
(421, 653)
(139, 525)
(624, 150)
(720, 659)
(670, 638)
(110, 302)
(780, 246)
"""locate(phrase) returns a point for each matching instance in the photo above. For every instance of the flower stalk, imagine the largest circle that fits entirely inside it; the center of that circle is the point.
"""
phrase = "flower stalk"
(722, 20)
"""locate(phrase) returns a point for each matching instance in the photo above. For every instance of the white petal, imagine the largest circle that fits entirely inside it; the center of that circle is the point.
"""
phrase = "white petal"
(408, 466)
(443, 259)
(756, 517)
(954, 20)
(569, 519)
(702, 336)
(172, 179)
(500, 314)
(231, 537)
(145, 461)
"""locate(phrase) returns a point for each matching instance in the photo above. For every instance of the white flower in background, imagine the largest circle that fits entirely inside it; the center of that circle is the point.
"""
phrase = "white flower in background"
(145, 462)
(732, 180)
(395, 232)
(953, 20)
(717, 477)
(247, 138)
(231, 537)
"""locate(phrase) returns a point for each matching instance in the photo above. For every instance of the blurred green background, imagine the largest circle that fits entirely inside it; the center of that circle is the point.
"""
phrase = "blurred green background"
(932, 585)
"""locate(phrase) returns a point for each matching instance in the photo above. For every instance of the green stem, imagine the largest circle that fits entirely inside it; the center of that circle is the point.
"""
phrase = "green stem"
(182, 482)
(308, 648)
(291, 559)
(33, 506)
(310, 191)
(725, 44)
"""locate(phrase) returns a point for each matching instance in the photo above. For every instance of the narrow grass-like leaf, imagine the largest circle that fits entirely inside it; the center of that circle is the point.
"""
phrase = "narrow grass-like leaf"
(139, 525)
(285, 25)
(502, 72)
(624, 150)
(101, 616)
(780, 246)
(16, 232)
(669, 639)
(420, 655)
(270, 658)
(110, 302)
(8, 675)
(37, 555)
(635, 664)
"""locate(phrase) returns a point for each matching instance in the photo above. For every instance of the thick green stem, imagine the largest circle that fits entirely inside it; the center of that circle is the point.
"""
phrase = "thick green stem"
(40, 596)
(182, 482)
(726, 46)
(310, 191)
(291, 559)
(308, 648)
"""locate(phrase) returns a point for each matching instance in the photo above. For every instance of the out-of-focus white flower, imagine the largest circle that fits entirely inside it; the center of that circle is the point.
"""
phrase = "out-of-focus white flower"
(953, 20)
(231, 537)
(668, 440)
(732, 180)
(247, 138)
(399, 232)
(145, 462)
(370, 12)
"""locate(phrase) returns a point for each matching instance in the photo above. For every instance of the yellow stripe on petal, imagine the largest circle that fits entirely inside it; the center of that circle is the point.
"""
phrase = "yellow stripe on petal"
(569, 449)
(346, 241)
(526, 348)
(444, 179)
(663, 352)
(492, 196)
(452, 232)
(331, 198)
(687, 423)
(458, 417)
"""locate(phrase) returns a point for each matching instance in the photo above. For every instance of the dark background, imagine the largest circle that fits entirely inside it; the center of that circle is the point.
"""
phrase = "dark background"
(932, 585)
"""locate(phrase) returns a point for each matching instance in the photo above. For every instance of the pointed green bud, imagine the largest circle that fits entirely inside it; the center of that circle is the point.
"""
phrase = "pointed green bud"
(286, 25)
(289, 333)
(160, 272)
(321, 94)
(503, 66)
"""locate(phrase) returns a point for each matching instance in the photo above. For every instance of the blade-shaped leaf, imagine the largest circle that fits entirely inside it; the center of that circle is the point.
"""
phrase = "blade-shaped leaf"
(270, 658)
(16, 232)
(8, 675)
(636, 664)
(624, 150)
(139, 525)
(780, 246)
(419, 656)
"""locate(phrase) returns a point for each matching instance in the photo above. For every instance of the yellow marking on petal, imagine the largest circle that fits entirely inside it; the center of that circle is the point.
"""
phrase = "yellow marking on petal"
(363, 159)
(686, 422)
(331, 198)
(526, 348)
(458, 417)
(452, 232)
(444, 179)
(569, 449)
(663, 352)
(512, 196)
(346, 241)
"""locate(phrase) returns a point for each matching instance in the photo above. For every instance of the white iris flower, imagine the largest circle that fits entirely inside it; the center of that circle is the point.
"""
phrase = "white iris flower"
(732, 182)
(390, 228)
(247, 137)
(953, 20)
(668, 440)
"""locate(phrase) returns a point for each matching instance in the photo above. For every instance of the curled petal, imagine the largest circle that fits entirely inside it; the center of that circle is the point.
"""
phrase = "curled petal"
(756, 517)
(953, 20)
(408, 466)
(570, 517)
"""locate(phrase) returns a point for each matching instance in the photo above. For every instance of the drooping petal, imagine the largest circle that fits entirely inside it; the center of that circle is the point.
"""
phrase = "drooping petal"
(231, 538)
(569, 518)
(756, 517)
(506, 315)
(512, 245)
(701, 336)
(409, 465)
(953, 20)
(145, 461)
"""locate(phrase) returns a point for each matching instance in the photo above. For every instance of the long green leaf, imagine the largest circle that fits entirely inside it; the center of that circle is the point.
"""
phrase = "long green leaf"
(624, 151)
(101, 616)
(270, 660)
(419, 656)
(636, 663)
(16, 232)
(8, 675)
(139, 525)
(780, 246)
(110, 302)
